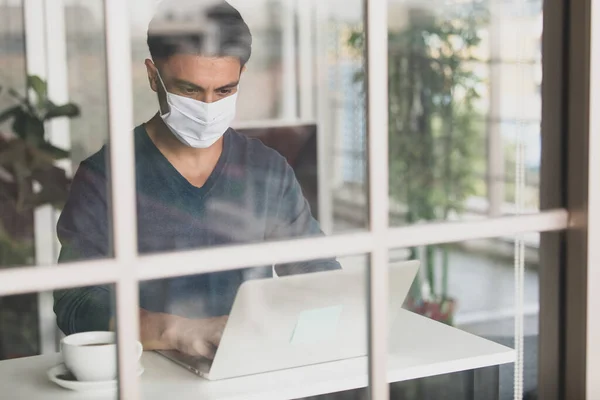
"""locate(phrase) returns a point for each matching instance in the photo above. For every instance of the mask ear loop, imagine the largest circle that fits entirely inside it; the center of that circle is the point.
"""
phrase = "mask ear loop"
(162, 83)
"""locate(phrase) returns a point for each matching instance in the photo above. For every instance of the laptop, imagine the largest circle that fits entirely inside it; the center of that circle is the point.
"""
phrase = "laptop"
(296, 321)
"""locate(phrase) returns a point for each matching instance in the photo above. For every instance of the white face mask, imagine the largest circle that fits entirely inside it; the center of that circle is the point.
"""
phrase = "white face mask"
(195, 123)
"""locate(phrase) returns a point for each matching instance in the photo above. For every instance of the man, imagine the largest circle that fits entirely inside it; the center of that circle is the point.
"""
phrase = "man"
(199, 183)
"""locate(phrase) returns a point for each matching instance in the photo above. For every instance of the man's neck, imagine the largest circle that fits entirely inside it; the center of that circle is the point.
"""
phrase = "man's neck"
(195, 165)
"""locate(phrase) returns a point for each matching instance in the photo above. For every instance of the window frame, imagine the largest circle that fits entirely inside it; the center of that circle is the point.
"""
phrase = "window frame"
(565, 211)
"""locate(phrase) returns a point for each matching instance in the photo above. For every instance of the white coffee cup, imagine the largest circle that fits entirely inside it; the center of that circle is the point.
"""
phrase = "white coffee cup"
(92, 356)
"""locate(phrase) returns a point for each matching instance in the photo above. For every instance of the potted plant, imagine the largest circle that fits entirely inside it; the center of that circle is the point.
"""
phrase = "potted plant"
(29, 178)
(434, 130)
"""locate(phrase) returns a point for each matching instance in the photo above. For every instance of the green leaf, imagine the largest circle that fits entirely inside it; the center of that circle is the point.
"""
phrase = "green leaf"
(54, 152)
(19, 124)
(68, 110)
(29, 129)
(39, 86)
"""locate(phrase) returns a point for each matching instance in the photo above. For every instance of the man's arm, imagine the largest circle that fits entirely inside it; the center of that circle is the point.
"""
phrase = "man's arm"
(83, 231)
(293, 220)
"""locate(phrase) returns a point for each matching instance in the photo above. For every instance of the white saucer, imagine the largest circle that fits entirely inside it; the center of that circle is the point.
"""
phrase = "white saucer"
(54, 374)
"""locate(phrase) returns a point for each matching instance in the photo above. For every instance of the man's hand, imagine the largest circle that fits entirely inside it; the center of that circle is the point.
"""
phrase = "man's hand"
(195, 337)
(201, 337)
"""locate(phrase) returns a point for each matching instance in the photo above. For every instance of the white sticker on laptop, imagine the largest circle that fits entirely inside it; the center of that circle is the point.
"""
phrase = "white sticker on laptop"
(316, 325)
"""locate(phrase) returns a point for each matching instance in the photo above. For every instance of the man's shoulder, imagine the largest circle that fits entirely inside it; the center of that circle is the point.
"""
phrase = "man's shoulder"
(256, 152)
(98, 161)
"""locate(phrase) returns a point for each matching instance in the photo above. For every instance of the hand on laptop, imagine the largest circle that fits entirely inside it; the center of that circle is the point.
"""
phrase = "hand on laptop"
(196, 337)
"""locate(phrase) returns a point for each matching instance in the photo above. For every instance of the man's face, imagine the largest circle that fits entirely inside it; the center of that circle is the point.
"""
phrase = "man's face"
(207, 79)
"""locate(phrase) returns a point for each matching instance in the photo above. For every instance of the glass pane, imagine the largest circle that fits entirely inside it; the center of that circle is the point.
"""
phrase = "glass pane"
(54, 116)
(251, 334)
(16, 228)
(37, 360)
(465, 90)
(461, 289)
(238, 136)
(87, 76)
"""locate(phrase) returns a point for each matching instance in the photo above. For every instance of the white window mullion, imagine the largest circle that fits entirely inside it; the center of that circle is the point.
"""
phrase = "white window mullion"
(59, 134)
(253, 255)
(376, 28)
(23, 280)
(57, 69)
(325, 148)
(31, 279)
(46, 58)
(452, 232)
(306, 63)
(593, 248)
(123, 194)
(289, 93)
(43, 217)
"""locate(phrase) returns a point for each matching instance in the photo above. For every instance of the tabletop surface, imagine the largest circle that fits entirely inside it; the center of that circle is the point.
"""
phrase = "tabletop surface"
(424, 348)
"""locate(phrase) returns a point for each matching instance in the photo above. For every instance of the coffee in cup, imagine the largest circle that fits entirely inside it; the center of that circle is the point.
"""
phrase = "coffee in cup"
(92, 356)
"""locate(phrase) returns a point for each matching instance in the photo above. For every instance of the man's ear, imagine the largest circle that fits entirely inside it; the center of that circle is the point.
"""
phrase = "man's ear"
(243, 70)
(152, 75)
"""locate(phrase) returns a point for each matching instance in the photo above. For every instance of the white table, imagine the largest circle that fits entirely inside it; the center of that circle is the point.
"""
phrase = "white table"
(425, 348)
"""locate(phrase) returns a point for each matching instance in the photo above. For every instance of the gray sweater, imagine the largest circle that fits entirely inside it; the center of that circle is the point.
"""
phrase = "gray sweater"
(251, 196)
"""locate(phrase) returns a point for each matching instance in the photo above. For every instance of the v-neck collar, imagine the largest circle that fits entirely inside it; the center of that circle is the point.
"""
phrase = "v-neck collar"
(181, 180)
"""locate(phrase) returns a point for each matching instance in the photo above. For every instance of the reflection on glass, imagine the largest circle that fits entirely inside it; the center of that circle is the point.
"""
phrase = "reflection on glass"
(87, 76)
(31, 180)
(35, 114)
(189, 314)
(464, 87)
(199, 182)
(297, 95)
(290, 324)
(470, 288)
(32, 183)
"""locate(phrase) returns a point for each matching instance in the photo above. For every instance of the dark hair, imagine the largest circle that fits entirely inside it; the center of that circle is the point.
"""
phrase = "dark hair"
(203, 27)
